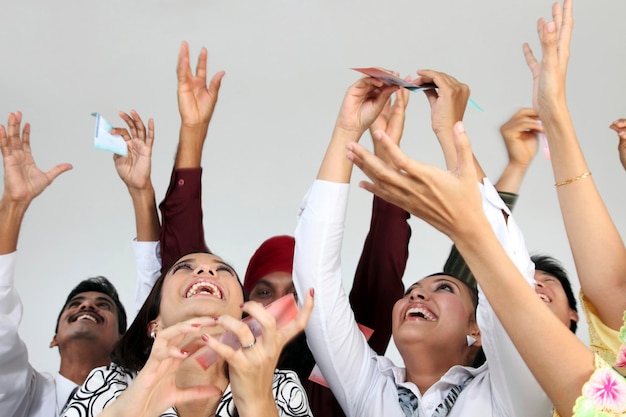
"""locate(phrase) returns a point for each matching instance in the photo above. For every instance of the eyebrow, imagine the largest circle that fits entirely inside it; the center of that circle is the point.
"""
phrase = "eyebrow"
(82, 297)
(193, 260)
(448, 281)
(437, 281)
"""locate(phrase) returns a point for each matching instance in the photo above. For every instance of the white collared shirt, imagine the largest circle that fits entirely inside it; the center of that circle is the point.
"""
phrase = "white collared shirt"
(366, 384)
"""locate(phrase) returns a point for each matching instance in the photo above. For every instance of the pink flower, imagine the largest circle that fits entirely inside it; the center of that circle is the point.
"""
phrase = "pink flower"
(607, 390)
(621, 358)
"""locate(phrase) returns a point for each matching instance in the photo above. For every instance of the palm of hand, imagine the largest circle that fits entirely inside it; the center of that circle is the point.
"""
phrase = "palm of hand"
(134, 169)
(196, 102)
(23, 180)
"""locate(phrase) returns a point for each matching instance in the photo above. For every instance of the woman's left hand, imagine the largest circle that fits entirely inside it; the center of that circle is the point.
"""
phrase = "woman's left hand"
(251, 368)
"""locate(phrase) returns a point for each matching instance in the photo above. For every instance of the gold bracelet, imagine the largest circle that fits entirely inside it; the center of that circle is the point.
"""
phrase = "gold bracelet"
(571, 180)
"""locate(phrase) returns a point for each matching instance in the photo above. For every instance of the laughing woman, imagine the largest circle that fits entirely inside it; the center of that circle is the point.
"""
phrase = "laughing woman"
(197, 299)
(436, 326)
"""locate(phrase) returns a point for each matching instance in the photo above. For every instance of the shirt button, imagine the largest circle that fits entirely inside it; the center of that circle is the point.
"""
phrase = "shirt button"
(181, 182)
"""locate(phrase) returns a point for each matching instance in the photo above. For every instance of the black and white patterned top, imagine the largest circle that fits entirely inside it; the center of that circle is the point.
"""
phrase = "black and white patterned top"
(105, 384)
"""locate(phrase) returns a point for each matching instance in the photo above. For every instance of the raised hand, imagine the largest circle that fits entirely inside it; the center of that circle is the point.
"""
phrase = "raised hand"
(196, 99)
(520, 136)
(155, 389)
(391, 120)
(441, 198)
(23, 180)
(549, 74)
(362, 104)
(251, 369)
(134, 169)
(447, 105)
(620, 127)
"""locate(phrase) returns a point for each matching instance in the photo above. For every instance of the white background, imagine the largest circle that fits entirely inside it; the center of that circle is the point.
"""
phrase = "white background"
(287, 68)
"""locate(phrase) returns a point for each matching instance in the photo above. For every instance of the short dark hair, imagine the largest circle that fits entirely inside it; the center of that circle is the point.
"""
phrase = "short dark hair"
(133, 349)
(553, 267)
(104, 286)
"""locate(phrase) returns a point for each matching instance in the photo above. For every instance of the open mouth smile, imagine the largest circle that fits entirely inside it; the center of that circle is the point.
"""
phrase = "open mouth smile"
(204, 287)
(419, 312)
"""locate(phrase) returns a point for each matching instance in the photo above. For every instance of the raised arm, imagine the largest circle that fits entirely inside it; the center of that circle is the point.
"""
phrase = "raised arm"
(23, 181)
(450, 202)
(520, 138)
(181, 210)
(519, 135)
(597, 247)
(134, 170)
(378, 278)
(339, 348)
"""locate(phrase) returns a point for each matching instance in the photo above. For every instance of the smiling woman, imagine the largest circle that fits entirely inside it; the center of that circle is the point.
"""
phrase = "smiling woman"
(191, 304)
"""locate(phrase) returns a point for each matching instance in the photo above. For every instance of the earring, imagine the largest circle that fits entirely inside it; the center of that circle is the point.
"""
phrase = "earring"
(470, 340)
(153, 332)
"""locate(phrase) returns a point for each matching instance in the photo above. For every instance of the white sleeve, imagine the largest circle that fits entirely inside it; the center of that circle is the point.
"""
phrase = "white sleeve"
(148, 264)
(339, 348)
(20, 384)
(515, 391)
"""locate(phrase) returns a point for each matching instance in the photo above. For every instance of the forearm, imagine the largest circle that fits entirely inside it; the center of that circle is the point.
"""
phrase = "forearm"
(335, 166)
(146, 215)
(11, 216)
(563, 364)
(182, 230)
(190, 143)
(596, 245)
(511, 179)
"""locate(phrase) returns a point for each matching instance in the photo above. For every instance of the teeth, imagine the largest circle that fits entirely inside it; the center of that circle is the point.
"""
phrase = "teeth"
(88, 317)
(544, 297)
(419, 312)
(204, 287)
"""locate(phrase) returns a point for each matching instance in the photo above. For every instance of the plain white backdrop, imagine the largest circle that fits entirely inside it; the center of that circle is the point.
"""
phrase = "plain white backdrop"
(287, 67)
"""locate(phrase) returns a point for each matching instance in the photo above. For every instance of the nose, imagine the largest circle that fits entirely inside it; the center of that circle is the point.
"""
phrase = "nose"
(538, 284)
(418, 293)
(87, 304)
(202, 269)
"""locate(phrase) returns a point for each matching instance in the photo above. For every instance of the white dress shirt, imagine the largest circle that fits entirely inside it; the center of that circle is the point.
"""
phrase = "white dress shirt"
(364, 383)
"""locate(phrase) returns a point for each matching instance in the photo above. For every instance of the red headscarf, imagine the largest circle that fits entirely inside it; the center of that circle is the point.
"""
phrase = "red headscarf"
(275, 254)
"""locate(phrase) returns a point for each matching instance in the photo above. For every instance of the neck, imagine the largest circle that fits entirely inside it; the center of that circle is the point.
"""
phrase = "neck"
(79, 357)
(424, 369)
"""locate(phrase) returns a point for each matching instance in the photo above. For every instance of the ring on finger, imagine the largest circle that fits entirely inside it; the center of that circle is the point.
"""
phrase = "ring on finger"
(250, 345)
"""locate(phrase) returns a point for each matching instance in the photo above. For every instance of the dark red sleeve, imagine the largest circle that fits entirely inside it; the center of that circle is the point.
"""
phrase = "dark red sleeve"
(378, 279)
(182, 231)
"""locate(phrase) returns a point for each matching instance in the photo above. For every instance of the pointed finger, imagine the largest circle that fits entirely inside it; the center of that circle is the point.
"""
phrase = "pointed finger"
(26, 138)
(139, 125)
(531, 61)
(150, 137)
(201, 65)
(183, 70)
(14, 131)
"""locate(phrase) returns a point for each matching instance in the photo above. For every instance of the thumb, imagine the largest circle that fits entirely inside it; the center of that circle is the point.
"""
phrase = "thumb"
(57, 170)
(464, 155)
